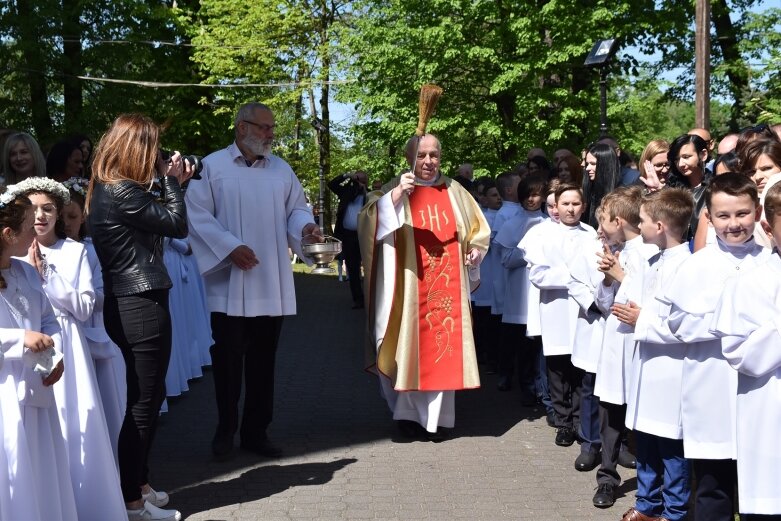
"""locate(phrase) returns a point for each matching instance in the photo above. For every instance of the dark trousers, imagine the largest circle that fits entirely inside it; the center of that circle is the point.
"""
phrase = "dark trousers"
(518, 354)
(564, 382)
(244, 348)
(141, 326)
(611, 428)
(589, 415)
(716, 484)
(486, 336)
(352, 258)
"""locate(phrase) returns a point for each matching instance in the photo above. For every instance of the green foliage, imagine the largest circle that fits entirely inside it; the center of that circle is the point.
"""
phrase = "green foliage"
(511, 71)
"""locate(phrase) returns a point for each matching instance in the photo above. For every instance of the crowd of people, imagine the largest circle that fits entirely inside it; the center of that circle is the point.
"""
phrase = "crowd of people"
(618, 298)
(105, 309)
(633, 301)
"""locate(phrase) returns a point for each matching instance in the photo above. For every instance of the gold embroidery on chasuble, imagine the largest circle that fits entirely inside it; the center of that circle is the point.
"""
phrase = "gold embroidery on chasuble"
(439, 259)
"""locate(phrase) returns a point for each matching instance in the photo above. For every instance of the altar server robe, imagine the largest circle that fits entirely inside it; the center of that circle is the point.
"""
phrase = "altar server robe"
(550, 257)
(516, 288)
(263, 207)
(709, 385)
(614, 367)
(654, 403)
(590, 324)
(748, 322)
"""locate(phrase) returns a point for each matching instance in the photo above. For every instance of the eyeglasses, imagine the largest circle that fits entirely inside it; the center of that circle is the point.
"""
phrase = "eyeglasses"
(264, 128)
(662, 166)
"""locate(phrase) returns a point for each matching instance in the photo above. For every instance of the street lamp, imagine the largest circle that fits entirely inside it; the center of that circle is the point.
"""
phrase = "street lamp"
(599, 57)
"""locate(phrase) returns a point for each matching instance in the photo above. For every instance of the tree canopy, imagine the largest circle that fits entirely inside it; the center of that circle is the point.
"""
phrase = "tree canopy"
(512, 71)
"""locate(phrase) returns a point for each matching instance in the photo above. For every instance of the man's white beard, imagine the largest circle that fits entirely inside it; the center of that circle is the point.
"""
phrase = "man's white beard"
(257, 146)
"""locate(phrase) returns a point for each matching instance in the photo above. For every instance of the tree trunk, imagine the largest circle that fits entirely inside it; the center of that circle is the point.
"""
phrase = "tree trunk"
(325, 74)
(71, 65)
(29, 21)
(737, 71)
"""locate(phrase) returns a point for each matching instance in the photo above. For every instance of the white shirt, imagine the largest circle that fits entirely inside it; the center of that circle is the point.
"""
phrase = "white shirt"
(262, 207)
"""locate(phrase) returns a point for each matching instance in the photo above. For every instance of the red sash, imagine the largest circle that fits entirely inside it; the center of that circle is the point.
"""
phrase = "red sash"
(439, 260)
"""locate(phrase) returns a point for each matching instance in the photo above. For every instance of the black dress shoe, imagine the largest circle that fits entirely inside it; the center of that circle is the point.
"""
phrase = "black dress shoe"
(262, 447)
(550, 419)
(222, 444)
(409, 428)
(627, 460)
(587, 461)
(504, 384)
(605, 496)
(565, 436)
(435, 437)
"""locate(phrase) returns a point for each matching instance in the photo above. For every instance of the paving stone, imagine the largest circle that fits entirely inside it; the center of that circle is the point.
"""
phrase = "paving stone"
(344, 458)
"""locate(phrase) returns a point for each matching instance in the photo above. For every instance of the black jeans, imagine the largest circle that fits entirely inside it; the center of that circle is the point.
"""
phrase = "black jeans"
(352, 258)
(244, 348)
(141, 326)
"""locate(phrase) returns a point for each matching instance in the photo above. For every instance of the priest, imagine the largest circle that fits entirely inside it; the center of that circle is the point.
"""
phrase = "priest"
(422, 239)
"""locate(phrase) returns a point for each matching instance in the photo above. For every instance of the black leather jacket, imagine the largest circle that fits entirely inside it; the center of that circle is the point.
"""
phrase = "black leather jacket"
(127, 226)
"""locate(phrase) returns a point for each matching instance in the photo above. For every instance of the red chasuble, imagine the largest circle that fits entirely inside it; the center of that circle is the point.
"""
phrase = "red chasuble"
(439, 260)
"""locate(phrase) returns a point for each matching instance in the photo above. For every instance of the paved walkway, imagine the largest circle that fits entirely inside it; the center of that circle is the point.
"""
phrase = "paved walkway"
(344, 458)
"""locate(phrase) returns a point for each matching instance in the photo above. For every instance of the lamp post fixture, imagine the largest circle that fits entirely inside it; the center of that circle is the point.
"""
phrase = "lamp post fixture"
(601, 54)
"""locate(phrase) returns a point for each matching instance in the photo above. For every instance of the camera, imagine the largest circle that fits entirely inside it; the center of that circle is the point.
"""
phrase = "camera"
(195, 161)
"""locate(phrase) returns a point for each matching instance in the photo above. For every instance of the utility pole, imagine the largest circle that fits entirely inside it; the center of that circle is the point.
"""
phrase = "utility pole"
(702, 65)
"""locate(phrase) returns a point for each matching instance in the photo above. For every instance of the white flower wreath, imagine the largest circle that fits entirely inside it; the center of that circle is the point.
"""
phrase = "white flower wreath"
(43, 184)
(8, 196)
(77, 184)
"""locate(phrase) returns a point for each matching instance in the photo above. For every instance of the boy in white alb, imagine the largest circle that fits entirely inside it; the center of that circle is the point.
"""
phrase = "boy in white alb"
(535, 235)
(507, 185)
(550, 259)
(485, 331)
(624, 258)
(747, 321)
(515, 349)
(654, 401)
(586, 344)
(709, 389)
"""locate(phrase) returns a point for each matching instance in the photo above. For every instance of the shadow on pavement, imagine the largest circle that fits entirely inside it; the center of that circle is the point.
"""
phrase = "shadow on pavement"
(254, 484)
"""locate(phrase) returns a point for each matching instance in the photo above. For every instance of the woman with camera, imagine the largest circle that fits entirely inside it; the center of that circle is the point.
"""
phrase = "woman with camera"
(128, 222)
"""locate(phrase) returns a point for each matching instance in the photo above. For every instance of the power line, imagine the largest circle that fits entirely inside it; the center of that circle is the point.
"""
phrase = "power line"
(159, 84)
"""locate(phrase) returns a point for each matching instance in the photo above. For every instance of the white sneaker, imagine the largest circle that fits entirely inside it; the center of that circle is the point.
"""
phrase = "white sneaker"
(157, 498)
(152, 513)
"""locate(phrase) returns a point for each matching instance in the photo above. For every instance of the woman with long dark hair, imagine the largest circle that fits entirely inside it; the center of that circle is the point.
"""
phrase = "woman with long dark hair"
(128, 223)
(687, 157)
(603, 174)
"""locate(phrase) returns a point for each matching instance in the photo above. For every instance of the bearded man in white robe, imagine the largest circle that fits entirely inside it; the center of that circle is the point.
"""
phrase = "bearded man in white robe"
(244, 214)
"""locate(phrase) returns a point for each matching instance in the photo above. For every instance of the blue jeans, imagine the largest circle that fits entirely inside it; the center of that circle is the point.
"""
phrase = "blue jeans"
(663, 477)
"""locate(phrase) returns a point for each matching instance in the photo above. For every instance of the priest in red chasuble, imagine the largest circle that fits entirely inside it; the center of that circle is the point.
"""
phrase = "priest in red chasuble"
(422, 238)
